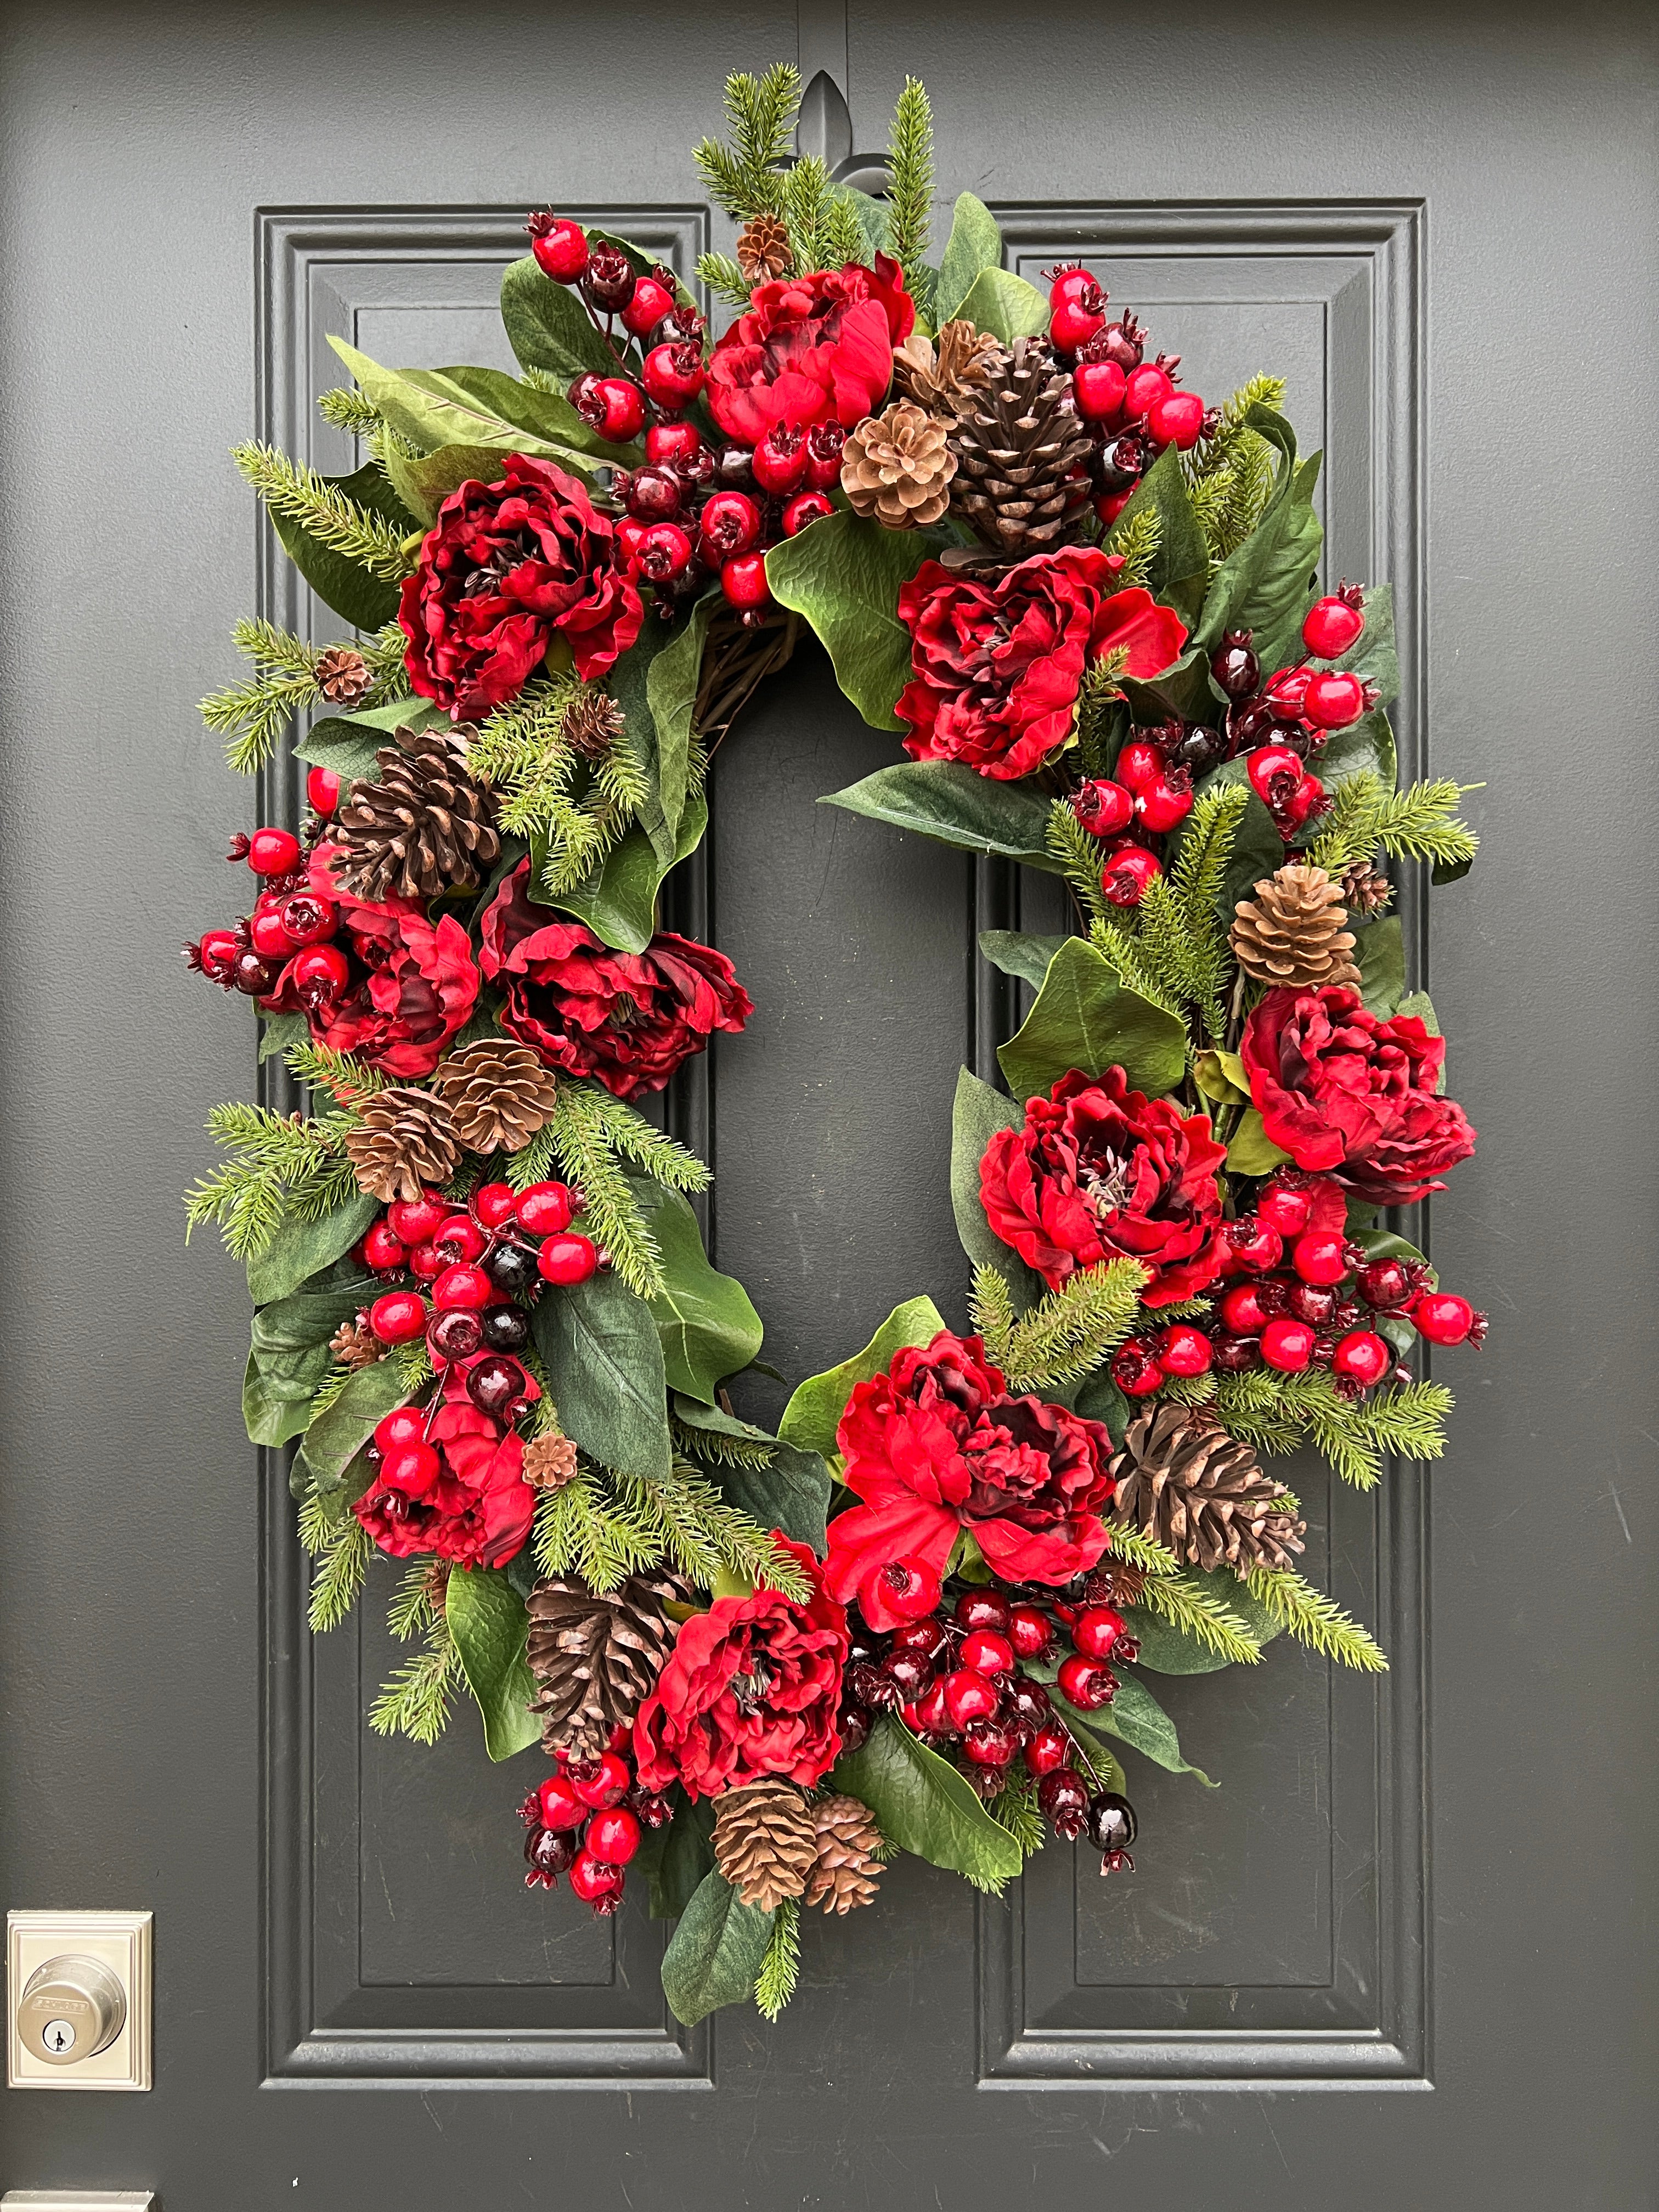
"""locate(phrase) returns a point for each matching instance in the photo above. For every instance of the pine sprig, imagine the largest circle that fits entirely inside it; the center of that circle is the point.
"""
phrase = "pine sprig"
(1126, 955)
(1279, 1413)
(721, 274)
(1230, 477)
(1418, 823)
(1199, 1614)
(280, 1166)
(588, 1131)
(337, 1585)
(1137, 537)
(297, 494)
(824, 231)
(1081, 858)
(1067, 1334)
(252, 716)
(345, 1079)
(350, 411)
(911, 167)
(774, 1984)
(578, 1528)
(1142, 1551)
(751, 1455)
(697, 1529)
(1316, 1619)
(1016, 1809)
(554, 789)
(744, 176)
(411, 1611)
(1097, 696)
(415, 1701)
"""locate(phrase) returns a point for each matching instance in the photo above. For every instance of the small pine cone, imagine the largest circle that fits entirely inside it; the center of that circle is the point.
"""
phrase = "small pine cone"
(898, 467)
(1020, 445)
(943, 375)
(1365, 889)
(342, 676)
(549, 1463)
(420, 826)
(847, 1869)
(763, 249)
(1114, 1582)
(403, 1143)
(354, 1344)
(1184, 1481)
(593, 723)
(498, 1094)
(766, 1842)
(1293, 934)
(596, 1653)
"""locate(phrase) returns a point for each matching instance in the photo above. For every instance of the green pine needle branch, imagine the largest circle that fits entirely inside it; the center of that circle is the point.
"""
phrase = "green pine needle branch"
(578, 1529)
(1142, 1551)
(910, 193)
(1081, 858)
(280, 1166)
(1068, 1332)
(749, 1455)
(1230, 476)
(1094, 727)
(252, 716)
(774, 1984)
(555, 787)
(744, 175)
(701, 1534)
(345, 1079)
(1016, 1809)
(1137, 537)
(1281, 1413)
(1418, 823)
(415, 1702)
(824, 230)
(721, 274)
(296, 493)
(1316, 1619)
(588, 1135)
(350, 411)
(412, 1611)
(343, 1555)
(1198, 1613)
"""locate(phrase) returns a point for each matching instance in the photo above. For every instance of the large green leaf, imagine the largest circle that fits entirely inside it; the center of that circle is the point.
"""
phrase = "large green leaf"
(1184, 688)
(1253, 1151)
(975, 244)
(954, 805)
(813, 1414)
(489, 1623)
(671, 687)
(303, 1249)
(1099, 1398)
(978, 1114)
(707, 1324)
(1018, 952)
(1134, 1716)
(548, 327)
(923, 1805)
(675, 1859)
(1380, 949)
(1366, 747)
(290, 1356)
(844, 574)
(351, 743)
(791, 1493)
(715, 1954)
(618, 900)
(1085, 1019)
(1181, 569)
(356, 593)
(998, 301)
(1169, 1651)
(604, 1360)
(424, 480)
(1264, 584)
(339, 1432)
(478, 408)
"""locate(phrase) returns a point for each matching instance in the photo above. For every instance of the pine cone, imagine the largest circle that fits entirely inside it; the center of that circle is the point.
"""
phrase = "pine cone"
(498, 1094)
(1185, 1482)
(404, 1143)
(943, 376)
(1294, 933)
(549, 1463)
(766, 1842)
(1365, 889)
(342, 676)
(898, 467)
(1018, 444)
(847, 1869)
(354, 1344)
(763, 249)
(421, 827)
(595, 1655)
(593, 723)
(1114, 1582)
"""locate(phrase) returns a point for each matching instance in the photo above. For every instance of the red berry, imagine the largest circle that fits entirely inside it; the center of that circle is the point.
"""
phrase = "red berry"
(970, 1697)
(631, 536)
(559, 1805)
(1048, 1749)
(1072, 285)
(1102, 808)
(1071, 324)
(613, 1836)
(1098, 387)
(652, 300)
(308, 918)
(1332, 625)
(931, 1714)
(411, 1468)
(1274, 772)
(805, 508)
(673, 376)
(989, 1744)
(560, 247)
(1443, 1316)
(494, 1203)
(381, 1248)
(568, 1260)
(1242, 1311)
(594, 1882)
(403, 1425)
(902, 1590)
(214, 953)
(923, 1637)
(622, 410)
(1095, 1630)
(425, 1263)
(544, 1209)
(1164, 801)
(603, 1781)
(654, 495)
(1030, 1631)
(459, 1238)
(1302, 802)
(273, 852)
(1287, 1345)
(664, 552)
(984, 1608)
(1385, 1284)
(1362, 1357)
(987, 1652)
(1140, 763)
(322, 790)
(826, 444)
(1184, 1350)
(415, 1219)
(673, 445)
(1284, 1209)
(909, 1670)
(779, 461)
(463, 1286)
(1321, 1255)
(1109, 507)
(1064, 1796)
(399, 1318)
(269, 938)
(730, 522)
(1253, 1245)
(1333, 699)
(1176, 420)
(742, 580)
(1086, 1683)
(1286, 689)
(1147, 385)
(318, 976)
(1312, 1302)
(1127, 877)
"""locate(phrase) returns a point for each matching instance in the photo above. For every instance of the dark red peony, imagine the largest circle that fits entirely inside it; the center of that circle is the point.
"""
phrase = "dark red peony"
(412, 982)
(997, 663)
(477, 1511)
(937, 1445)
(1100, 1172)
(752, 1688)
(1352, 1094)
(505, 566)
(815, 348)
(626, 1019)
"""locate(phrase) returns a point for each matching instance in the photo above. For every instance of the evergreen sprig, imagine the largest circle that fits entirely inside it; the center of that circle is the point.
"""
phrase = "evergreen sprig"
(1418, 823)
(779, 1969)
(1097, 697)
(281, 1165)
(1081, 858)
(1198, 1613)
(1067, 1334)
(554, 789)
(350, 411)
(252, 716)
(910, 192)
(744, 176)
(415, 1701)
(1230, 477)
(824, 230)
(1016, 1809)
(578, 1528)
(1316, 1619)
(721, 274)
(753, 1456)
(1137, 537)
(345, 1079)
(697, 1529)
(343, 1556)
(588, 1135)
(299, 495)
(1278, 1412)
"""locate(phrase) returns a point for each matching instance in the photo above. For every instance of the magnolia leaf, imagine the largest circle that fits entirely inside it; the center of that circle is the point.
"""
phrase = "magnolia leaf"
(1005, 305)
(489, 1623)
(290, 1358)
(1252, 1151)
(356, 593)
(715, 1954)
(955, 806)
(813, 1414)
(1364, 748)
(604, 1368)
(790, 1494)
(339, 1432)
(975, 244)
(1264, 584)
(1099, 1398)
(548, 327)
(1380, 949)
(1085, 1019)
(923, 1805)
(352, 744)
(1220, 1076)
(424, 480)
(708, 1326)
(1183, 688)
(479, 408)
(303, 1249)
(844, 574)
(671, 687)
(630, 687)
(1136, 1717)
(1017, 952)
(978, 1114)
(675, 1859)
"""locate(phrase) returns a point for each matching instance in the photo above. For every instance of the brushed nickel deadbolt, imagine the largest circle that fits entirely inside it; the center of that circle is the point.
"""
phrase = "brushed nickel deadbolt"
(72, 2008)
(78, 1997)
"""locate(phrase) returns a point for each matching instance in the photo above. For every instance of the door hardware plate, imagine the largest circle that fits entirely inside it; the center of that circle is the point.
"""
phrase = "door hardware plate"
(119, 1943)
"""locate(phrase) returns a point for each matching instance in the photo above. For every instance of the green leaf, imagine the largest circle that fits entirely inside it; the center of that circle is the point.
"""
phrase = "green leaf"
(278, 1031)
(618, 900)
(707, 1324)
(813, 1414)
(923, 1805)
(715, 1954)
(1365, 748)
(358, 596)
(303, 1249)
(1169, 1651)
(1220, 1076)
(548, 327)
(1181, 569)
(671, 687)
(675, 1859)
(1085, 1019)
(844, 574)
(1018, 952)
(998, 301)
(480, 408)
(978, 1114)
(790, 1494)
(1380, 949)
(975, 244)
(339, 1432)
(1252, 1151)
(1099, 1398)
(1264, 585)
(489, 1623)
(290, 1358)
(1374, 657)
(423, 481)
(956, 806)
(349, 743)
(1183, 688)
(605, 1367)
(1136, 1717)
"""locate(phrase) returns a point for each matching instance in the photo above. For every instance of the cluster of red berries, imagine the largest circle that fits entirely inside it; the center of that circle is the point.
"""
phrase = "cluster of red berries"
(290, 938)
(586, 1821)
(1299, 1297)
(957, 1682)
(693, 511)
(1133, 406)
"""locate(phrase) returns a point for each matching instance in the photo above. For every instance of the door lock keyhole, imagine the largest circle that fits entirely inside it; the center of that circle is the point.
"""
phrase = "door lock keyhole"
(72, 2008)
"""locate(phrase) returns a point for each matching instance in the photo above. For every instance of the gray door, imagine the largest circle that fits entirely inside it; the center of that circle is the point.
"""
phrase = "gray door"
(1428, 1894)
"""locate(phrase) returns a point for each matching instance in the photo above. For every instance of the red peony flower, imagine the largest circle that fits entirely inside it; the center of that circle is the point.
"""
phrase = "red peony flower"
(1100, 1172)
(626, 1019)
(936, 1445)
(997, 662)
(503, 568)
(412, 984)
(752, 1688)
(477, 1511)
(1352, 1094)
(815, 348)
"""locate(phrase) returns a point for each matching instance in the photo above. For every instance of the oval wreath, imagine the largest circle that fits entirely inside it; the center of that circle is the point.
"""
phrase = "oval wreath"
(920, 1617)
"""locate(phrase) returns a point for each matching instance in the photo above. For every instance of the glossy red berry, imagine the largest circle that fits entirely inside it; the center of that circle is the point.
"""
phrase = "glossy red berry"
(983, 1609)
(1072, 285)
(382, 1249)
(731, 523)
(493, 1203)
(909, 1670)
(1362, 1357)
(272, 852)
(213, 954)
(558, 1804)
(779, 461)
(595, 1883)
(1071, 324)
(308, 918)
(1253, 1245)
(1385, 1284)
(1443, 1316)
(318, 974)
(559, 246)
(399, 1318)
(1284, 1208)
(826, 446)
(569, 1260)
(1287, 1345)
(1321, 1255)
(1103, 808)
(403, 1425)
(1135, 1369)
(622, 410)
(1332, 625)
(970, 1697)
(1242, 1311)
(463, 1286)
(1098, 388)
(267, 935)
(1128, 875)
(424, 1263)
(1140, 763)
(613, 1836)
(411, 1468)
(1048, 1750)
(544, 1209)
(1176, 420)
(805, 508)
(986, 1651)
(664, 552)
(322, 790)
(652, 300)
(1333, 699)
(1274, 773)
(1063, 1794)
(415, 1219)
(902, 1590)
(988, 1743)
(1165, 801)
(1304, 800)
(931, 1714)
(603, 1781)
(742, 580)
(458, 1238)
(631, 536)
(1096, 1633)
(1184, 1350)
(673, 376)
(1030, 1631)
(674, 445)
(1147, 386)
(1086, 1683)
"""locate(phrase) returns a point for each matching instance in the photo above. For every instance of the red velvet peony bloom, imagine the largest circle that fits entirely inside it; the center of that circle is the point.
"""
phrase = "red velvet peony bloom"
(815, 348)
(996, 663)
(935, 1445)
(1352, 1094)
(752, 1688)
(628, 1020)
(477, 1511)
(504, 567)
(412, 986)
(1100, 1172)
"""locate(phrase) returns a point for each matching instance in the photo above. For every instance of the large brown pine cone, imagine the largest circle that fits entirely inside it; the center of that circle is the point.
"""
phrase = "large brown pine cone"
(595, 1655)
(403, 1143)
(898, 467)
(943, 375)
(1185, 1482)
(1018, 443)
(846, 1869)
(765, 1842)
(498, 1093)
(421, 826)
(1293, 934)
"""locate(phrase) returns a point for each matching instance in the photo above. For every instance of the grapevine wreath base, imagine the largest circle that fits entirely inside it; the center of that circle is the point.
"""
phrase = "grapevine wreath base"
(926, 1615)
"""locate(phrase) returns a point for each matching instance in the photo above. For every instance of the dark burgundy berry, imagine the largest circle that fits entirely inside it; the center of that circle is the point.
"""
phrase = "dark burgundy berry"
(909, 1670)
(506, 1328)
(255, 978)
(875, 1687)
(1200, 748)
(1121, 462)
(609, 279)
(1312, 1302)
(1028, 1701)
(1123, 342)
(855, 1723)
(1236, 1355)
(735, 465)
(456, 1334)
(497, 1385)
(512, 1268)
(1063, 1794)
(1234, 666)
(1384, 1284)
(550, 1852)
(654, 495)
(1249, 723)
(923, 1637)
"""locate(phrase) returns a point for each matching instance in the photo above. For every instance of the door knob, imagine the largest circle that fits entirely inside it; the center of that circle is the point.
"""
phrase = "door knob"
(72, 2008)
